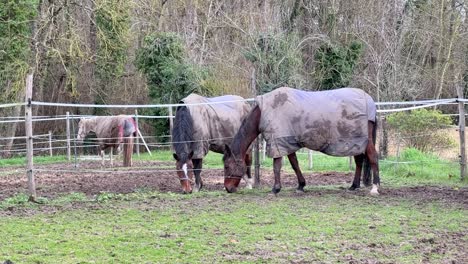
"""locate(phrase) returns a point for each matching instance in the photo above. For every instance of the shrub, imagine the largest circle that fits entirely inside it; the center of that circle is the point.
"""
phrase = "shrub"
(421, 129)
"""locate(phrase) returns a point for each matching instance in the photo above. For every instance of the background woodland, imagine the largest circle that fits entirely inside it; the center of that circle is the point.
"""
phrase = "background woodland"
(158, 51)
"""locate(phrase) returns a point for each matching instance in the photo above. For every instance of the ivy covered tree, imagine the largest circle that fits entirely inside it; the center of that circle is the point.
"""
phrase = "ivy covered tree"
(15, 33)
(336, 64)
(113, 37)
(15, 29)
(277, 61)
(170, 77)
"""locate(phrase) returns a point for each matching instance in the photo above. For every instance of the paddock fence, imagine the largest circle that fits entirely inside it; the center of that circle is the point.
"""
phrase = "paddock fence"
(50, 144)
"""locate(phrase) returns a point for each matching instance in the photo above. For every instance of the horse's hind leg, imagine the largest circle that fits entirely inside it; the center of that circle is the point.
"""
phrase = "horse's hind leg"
(249, 180)
(295, 165)
(372, 157)
(197, 166)
(359, 160)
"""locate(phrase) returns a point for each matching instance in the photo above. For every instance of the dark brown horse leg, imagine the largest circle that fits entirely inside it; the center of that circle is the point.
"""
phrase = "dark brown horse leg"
(295, 165)
(359, 160)
(248, 164)
(197, 166)
(372, 156)
(277, 163)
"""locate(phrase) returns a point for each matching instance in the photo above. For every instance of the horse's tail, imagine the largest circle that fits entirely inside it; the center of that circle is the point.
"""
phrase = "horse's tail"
(128, 151)
(367, 178)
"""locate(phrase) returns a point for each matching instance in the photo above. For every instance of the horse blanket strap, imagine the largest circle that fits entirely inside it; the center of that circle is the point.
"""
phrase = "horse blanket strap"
(215, 124)
(334, 122)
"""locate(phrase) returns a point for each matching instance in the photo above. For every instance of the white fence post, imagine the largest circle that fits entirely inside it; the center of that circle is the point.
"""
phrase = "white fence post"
(311, 160)
(137, 139)
(68, 137)
(50, 143)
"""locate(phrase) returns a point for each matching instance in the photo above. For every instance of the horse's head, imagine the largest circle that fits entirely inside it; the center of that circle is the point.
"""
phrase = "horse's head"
(82, 130)
(234, 169)
(184, 168)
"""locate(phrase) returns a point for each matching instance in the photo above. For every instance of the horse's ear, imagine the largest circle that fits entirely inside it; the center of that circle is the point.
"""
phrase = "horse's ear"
(190, 155)
(175, 156)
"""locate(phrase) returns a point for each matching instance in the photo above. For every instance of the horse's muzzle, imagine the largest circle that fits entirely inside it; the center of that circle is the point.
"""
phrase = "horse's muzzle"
(231, 189)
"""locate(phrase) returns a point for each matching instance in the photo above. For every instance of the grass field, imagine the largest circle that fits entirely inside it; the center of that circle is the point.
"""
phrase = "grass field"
(421, 218)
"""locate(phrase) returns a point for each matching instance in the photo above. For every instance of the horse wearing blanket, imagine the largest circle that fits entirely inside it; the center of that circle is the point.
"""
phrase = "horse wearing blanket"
(111, 132)
(205, 124)
(339, 122)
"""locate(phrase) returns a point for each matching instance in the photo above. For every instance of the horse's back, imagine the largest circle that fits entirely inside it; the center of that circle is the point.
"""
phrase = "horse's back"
(334, 122)
(112, 128)
(215, 120)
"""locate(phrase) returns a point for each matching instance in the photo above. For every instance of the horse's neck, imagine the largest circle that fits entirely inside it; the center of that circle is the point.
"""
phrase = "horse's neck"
(247, 133)
(90, 125)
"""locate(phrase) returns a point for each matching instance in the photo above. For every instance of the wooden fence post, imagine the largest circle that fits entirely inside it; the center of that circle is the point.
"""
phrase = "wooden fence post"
(461, 125)
(68, 138)
(171, 125)
(50, 143)
(29, 138)
(253, 86)
(137, 139)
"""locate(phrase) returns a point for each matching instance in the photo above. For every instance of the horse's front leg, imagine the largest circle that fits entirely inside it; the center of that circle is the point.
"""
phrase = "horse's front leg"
(277, 163)
(197, 166)
(101, 153)
(111, 156)
(248, 163)
(295, 165)
(359, 160)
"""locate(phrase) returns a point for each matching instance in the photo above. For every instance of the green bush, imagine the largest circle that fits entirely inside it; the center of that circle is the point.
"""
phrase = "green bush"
(421, 129)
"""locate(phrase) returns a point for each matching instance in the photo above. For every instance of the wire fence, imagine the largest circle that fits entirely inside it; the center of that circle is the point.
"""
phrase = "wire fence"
(77, 152)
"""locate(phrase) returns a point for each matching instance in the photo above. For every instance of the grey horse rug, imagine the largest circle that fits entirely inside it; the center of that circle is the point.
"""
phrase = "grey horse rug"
(216, 123)
(334, 122)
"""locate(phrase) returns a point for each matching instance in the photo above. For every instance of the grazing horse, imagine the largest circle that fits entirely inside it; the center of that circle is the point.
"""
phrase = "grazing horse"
(339, 122)
(206, 124)
(111, 132)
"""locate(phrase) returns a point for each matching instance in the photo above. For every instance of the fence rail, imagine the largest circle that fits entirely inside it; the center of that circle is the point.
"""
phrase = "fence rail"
(58, 143)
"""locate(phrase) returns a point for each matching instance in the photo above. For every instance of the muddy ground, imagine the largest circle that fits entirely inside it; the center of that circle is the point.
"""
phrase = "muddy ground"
(58, 179)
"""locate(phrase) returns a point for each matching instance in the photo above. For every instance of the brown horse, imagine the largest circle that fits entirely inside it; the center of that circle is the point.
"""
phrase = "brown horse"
(338, 122)
(202, 125)
(111, 132)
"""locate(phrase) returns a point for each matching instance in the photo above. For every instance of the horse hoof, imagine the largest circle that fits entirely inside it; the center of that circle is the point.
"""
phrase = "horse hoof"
(275, 190)
(353, 188)
(299, 191)
(375, 190)
(250, 183)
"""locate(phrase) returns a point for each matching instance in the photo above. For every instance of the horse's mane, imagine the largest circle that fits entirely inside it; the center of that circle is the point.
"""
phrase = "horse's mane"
(247, 132)
(182, 133)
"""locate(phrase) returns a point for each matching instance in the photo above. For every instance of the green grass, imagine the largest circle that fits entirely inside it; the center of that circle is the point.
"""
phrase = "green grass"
(21, 161)
(248, 227)
(325, 225)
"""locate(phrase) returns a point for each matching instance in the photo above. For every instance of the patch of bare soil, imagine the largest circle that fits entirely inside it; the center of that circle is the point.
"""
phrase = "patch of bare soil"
(58, 179)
